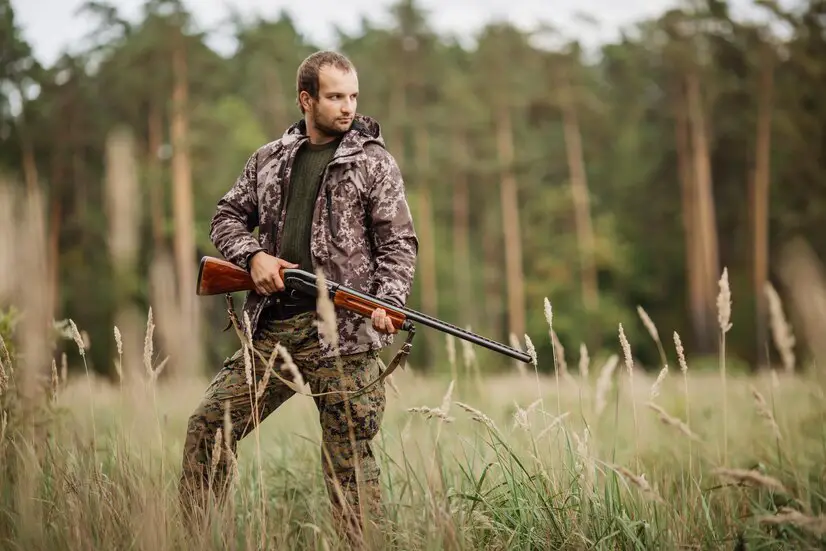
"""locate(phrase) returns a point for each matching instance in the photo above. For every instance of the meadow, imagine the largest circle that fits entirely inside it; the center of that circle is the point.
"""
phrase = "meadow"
(599, 455)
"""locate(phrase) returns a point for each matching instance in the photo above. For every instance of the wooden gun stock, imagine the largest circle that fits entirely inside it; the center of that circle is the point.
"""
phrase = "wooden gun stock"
(216, 277)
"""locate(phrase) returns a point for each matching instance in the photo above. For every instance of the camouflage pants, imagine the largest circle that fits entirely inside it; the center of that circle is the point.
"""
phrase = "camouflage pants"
(348, 425)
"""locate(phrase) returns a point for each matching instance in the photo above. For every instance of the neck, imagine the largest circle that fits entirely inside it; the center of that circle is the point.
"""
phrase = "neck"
(316, 136)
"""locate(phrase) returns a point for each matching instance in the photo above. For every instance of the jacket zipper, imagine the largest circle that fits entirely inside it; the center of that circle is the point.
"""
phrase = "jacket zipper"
(333, 230)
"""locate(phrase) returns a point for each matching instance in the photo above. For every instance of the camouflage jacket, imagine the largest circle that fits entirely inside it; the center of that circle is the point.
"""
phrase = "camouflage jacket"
(362, 232)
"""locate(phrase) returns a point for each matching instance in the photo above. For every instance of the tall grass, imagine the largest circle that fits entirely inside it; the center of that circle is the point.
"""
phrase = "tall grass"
(463, 467)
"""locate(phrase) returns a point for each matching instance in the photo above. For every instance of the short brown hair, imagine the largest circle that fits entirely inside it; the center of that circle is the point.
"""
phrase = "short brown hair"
(307, 77)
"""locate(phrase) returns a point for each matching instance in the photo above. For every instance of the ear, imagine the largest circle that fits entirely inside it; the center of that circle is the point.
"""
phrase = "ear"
(305, 100)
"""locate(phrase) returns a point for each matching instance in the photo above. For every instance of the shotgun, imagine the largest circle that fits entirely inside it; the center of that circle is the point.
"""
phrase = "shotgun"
(216, 276)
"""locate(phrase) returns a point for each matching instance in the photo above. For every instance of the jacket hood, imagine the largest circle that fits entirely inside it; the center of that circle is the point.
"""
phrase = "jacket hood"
(364, 130)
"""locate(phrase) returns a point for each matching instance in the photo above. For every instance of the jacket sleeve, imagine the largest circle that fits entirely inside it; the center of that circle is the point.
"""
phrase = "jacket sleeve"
(394, 240)
(236, 217)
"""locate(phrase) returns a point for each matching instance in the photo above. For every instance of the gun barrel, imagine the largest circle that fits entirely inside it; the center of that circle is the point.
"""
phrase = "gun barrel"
(424, 319)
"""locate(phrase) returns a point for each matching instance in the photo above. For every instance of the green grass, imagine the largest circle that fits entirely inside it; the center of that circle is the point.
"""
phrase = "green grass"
(552, 480)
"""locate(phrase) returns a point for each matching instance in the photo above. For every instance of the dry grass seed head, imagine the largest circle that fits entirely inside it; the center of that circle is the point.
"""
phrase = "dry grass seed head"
(247, 364)
(678, 344)
(724, 303)
(584, 360)
(655, 388)
(560, 355)
(787, 515)
(216, 452)
(626, 350)
(262, 385)
(555, 421)
(4, 376)
(752, 478)
(327, 325)
(440, 412)
(641, 483)
(290, 367)
(648, 323)
(765, 411)
(450, 345)
(673, 421)
(468, 354)
(520, 418)
(247, 326)
(604, 383)
(549, 314)
(148, 346)
(782, 333)
(531, 350)
(6, 357)
(81, 346)
(477, 415)
(55, 382)
(118, 341)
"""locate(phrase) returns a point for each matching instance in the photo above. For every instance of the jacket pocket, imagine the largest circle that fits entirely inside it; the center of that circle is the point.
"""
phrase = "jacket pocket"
(330, 222)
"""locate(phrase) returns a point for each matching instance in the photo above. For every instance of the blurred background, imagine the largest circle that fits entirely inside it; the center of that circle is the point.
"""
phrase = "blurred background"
(607, 156)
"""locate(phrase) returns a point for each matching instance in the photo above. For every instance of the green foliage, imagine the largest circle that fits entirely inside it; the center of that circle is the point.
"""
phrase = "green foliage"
(410, 77)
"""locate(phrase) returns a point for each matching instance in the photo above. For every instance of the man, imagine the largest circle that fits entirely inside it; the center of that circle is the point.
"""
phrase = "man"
(325, 196)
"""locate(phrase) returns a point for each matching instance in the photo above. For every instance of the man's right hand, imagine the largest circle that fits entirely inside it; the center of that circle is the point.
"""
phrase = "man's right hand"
(264, 269)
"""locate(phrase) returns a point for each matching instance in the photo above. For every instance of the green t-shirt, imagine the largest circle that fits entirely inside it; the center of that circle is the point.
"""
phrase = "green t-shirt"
(305, 180)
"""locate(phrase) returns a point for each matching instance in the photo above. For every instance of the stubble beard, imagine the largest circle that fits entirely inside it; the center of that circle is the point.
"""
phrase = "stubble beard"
(326, 129)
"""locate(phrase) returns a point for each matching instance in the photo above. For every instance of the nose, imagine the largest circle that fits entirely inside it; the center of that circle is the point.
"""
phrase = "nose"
(347, 106)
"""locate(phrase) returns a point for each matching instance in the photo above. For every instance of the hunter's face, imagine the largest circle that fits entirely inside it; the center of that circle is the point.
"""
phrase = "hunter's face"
(332, 113)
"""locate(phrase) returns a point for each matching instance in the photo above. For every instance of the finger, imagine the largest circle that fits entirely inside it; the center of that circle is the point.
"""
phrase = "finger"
(389, 324)
(276, 282)
(378, 318)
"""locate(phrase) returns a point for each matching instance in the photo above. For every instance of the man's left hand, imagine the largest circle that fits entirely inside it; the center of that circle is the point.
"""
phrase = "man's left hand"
(382, 322)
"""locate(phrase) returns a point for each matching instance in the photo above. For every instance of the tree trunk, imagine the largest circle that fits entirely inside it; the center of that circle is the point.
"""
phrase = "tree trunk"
(278, 114)
(706, 229)
(398, 109)
(58, 177)
(427, 255)
(492, 270)
(510, 224)
(760, 196)
(155, 184)
(53, 257)
(183, 207)
(463, 283)
(29, 163)
(123, 210)
(27, 148)
(693, 252)
(581, 199)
